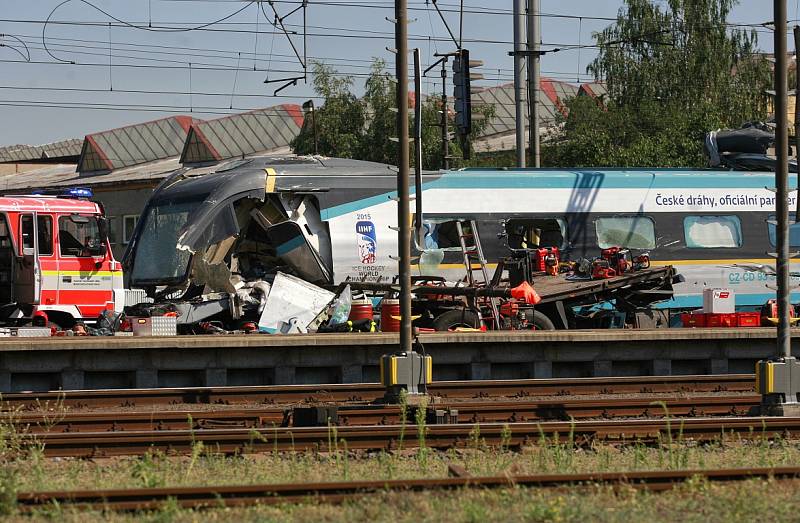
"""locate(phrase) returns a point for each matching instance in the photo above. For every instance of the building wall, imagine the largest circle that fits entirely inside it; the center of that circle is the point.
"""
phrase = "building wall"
(119, 204)
(14, 168)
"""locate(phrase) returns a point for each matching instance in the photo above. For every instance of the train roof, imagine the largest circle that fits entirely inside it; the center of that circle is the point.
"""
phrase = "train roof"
(568, 178)
(343, 184)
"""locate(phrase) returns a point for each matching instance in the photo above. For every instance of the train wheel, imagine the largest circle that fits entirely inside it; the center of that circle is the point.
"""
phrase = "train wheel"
(539, 320)
(457, 318)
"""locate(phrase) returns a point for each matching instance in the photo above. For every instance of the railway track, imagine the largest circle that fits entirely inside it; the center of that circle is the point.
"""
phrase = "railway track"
(392, 437)
(218, 496)
(484, 411)
(365, 392)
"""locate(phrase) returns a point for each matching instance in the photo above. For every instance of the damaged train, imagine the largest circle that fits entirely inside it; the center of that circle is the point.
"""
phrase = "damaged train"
(211, 239)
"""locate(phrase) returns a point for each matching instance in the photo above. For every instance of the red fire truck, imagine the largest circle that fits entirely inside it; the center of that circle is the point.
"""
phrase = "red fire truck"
(55, 257)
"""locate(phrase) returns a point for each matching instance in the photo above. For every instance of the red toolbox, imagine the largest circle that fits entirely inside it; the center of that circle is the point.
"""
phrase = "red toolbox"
(721, 319)
(748, 319)
(693, 320)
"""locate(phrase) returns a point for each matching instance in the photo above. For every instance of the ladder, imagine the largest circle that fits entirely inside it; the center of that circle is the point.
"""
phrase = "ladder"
(474, 253)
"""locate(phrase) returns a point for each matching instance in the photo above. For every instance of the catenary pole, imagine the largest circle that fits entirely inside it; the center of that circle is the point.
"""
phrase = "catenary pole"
(782, 178)
(418, 143)
(445, 130)
(519, 71)
(404, 227)
(797, 113)
(534, 39)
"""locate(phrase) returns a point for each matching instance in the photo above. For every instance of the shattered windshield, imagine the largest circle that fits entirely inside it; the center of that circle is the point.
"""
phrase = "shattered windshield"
(157, 257)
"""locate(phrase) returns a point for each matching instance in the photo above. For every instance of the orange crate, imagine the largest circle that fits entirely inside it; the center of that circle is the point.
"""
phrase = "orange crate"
(748, 319)
(697, 319)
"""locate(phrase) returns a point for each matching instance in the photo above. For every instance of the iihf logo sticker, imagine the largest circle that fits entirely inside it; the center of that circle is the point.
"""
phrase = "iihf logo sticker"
(367, 243)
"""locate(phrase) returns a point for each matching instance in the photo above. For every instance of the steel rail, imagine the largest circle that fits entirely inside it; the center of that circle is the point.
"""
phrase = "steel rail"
(392, 437)
(336, 492)
(484, 411)
(282, 394)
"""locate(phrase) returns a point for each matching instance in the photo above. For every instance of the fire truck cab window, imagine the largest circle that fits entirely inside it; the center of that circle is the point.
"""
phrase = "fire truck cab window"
(5, 237)
(45, 234)
(26, 230)
(45, 230)
(79, 235)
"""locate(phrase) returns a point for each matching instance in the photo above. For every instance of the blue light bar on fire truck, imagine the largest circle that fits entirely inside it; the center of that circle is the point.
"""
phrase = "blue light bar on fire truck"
(78, 192)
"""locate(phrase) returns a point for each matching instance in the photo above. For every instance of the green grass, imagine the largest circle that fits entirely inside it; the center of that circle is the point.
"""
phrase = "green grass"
(27, 469)
(32, 471)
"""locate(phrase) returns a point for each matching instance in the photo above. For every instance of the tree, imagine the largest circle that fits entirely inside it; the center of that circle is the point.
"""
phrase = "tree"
(672, 73)
(350, 127)
(340, 120)
(379, 99)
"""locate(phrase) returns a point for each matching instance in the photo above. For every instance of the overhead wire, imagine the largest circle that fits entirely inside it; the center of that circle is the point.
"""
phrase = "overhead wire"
(452, 8)
(221, 23)
(26, 55)
(149, 27)
(233, 54)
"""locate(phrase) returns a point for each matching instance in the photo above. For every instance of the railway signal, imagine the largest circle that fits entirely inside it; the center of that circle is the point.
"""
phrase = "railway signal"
(463, 90)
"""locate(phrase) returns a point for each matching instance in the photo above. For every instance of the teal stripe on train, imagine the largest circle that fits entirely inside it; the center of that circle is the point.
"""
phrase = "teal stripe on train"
(577, 179)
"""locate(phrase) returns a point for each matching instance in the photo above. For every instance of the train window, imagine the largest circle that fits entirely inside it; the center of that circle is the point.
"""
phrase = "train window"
(526, 233)
(441, 233)
(633, 232)
(710, 232)
(128, 227)
(794, 231)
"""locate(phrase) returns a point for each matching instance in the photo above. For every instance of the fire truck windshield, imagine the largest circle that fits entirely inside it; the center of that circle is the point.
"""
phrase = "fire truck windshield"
(157, 258)
(78, 235)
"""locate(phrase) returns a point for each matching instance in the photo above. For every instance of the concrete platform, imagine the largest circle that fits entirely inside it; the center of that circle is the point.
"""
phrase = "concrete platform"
(123, 362)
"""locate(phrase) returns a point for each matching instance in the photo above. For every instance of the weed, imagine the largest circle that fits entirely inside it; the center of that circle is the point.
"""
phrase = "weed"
(475, 439)
(640, 456)
(51, 413)
(35, 466)
(604, 458)
(345, 461)
(476, 512)
(422, 452)
(403, 417)
(549, 510)
(8, 490)
(386, 465)
(197, 451)
(169, 511)
(146, 471)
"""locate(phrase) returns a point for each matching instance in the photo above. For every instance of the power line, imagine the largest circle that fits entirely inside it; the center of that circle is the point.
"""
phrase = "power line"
(369, 35)
(102, 51)
(178, 109)
(145, 91)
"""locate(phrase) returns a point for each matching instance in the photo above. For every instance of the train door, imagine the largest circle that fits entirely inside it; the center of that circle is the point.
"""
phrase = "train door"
(28, 271)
